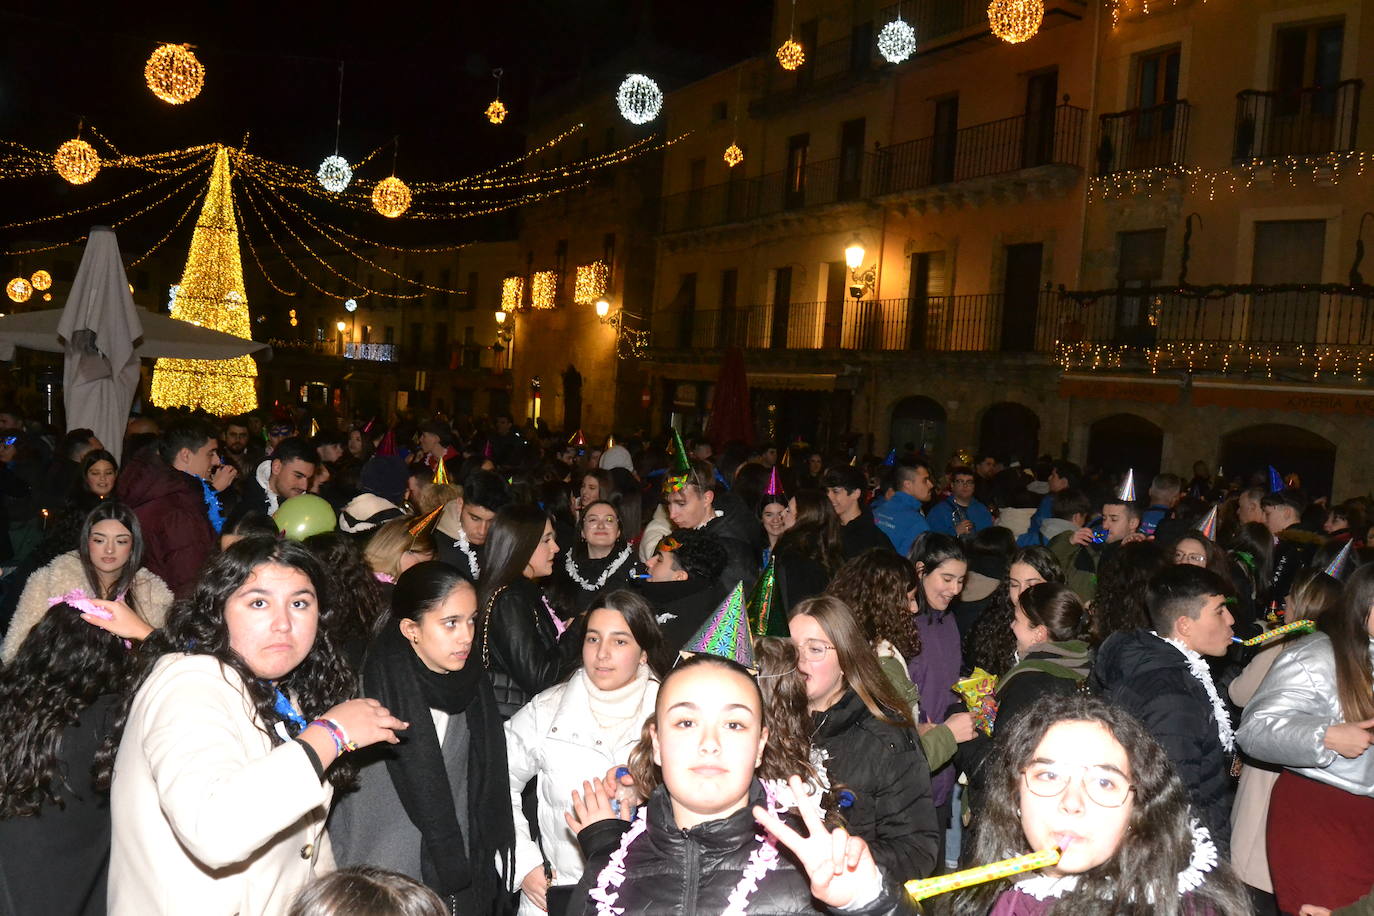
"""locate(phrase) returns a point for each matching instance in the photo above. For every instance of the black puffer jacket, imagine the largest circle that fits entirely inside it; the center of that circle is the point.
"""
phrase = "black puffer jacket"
(691, 872)
(885, 769)
(520, 646)
(1150, 679)
(738, 532)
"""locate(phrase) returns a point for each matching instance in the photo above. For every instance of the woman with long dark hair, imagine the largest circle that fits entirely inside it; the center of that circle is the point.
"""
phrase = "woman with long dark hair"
(1312, 716)
(600, 561)
(993, 645)
(1251, 550)
(107, 568)
(227, 741)
(1079, 774)
(58, 694)
(580, 728)
(432, 807)
(99, 470)
(869, 739)
(1119, 603)
(353, 592)
(518, 629)
(809, 551)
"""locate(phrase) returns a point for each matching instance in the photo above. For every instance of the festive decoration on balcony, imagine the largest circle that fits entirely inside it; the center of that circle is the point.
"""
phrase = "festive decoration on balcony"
(41, 280)
(639, 99)
(512, 293)
(790, 54)
(391, 197)
(334, 173)
(174, 74)
(897, 41)
(733, 155)
(76, 161)
(211, 294)
(19, 290)
(496, 112)
(1325, 169)
(1015, 21)
(543, 289)
(591, 282)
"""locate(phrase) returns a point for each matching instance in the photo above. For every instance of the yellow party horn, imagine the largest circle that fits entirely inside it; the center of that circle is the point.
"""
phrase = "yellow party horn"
(1288, 629)
(921, 888)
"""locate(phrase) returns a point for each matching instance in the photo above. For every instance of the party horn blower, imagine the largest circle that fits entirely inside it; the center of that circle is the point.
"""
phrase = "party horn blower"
(1288, 629)
(922, 888)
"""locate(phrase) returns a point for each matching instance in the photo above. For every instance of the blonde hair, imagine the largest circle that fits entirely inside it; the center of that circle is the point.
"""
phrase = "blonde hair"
(391, 541)
(434, 495)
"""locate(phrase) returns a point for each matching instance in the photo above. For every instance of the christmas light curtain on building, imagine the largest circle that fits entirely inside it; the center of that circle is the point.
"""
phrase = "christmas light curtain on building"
(211, 295)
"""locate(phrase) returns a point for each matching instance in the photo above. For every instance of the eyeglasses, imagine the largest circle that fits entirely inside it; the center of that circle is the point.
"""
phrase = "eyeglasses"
(1199, 559)
(1104, 785)
(814, 650)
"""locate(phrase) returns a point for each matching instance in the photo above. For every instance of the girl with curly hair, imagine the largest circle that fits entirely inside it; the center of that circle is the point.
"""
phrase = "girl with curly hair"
(1119, 603)
(354, 594)
(992, 643)
(58, 694)
(1077, 774)
(228, 738)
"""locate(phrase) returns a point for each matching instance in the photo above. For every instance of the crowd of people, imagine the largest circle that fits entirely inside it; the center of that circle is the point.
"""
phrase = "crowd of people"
(276, 664)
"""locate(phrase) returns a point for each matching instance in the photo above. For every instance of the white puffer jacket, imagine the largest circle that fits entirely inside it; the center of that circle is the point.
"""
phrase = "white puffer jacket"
(556, 738)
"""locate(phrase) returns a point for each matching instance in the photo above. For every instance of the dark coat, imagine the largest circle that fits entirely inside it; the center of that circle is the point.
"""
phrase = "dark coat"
(1149, 678)
(170, 505)
(797, 577)
(520, 646)
(885, 768)
(58, 861)
(738, 532)
(682, 607)
(446, 550)
(862, 534)
(691, 872)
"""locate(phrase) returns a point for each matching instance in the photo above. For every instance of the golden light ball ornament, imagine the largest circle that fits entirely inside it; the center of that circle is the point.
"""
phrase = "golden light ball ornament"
(790, 54)
(733, 155)
(496, 112)
(76, 161)
(41, 280)
(391, 197)
(19, 290)
(174, 74)
(1015, 21)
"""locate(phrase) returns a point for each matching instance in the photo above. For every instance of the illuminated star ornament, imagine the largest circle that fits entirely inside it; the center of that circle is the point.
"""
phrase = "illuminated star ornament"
(897, 41)
(174, 74)
(733, 155)
(639, 99)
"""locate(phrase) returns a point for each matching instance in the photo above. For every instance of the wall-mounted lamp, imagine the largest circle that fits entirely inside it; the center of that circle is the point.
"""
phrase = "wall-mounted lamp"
(629, 342)
(861, 281)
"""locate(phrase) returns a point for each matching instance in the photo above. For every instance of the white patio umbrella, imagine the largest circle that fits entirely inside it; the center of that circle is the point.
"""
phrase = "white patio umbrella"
(104, 335)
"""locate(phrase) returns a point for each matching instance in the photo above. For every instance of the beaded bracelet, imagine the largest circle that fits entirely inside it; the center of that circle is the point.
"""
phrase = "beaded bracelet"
(341, 743)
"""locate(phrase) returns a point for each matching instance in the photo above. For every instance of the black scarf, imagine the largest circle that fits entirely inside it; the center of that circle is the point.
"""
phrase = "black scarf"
(396, 677)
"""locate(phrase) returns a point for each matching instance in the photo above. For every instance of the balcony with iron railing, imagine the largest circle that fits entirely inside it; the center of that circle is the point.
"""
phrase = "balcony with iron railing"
(979, 151)
(1143, 138)
(972, 323)
(1311, 121)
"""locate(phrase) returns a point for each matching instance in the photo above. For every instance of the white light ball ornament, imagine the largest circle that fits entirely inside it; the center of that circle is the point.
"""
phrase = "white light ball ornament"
(897, 41)
(334, 174)
(350, 305)
(639, 99)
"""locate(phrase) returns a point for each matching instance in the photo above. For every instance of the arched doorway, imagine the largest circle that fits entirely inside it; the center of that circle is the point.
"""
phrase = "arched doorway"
(1249, 451)
(1124, 442)
(572, 400)
(1010, 431)
(918, 425)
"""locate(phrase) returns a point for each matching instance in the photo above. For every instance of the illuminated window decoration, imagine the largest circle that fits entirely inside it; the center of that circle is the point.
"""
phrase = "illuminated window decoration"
(790, 54)
(639, 98)
(512, 293)
(1015, 21)
(41, 280)
(496, 112)
(733, 155)
(897, 41)
(391, 197)
(334, 173)
(543, 289)
(211, 295)
(19, 290)
(174, 74)
(350, 305)
(76, 161)
(591, 282)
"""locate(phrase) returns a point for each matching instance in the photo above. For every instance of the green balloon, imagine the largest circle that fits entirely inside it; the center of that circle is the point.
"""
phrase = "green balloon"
(304, 515)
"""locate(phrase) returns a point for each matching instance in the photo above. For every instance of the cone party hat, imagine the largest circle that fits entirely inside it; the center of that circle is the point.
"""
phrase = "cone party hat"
(677, 477)
(1336, 567)
(441, 472)
(765, 617)
(726, 634)
(774, 485)
(1275, 480)
(1127, 491)
(1208, 526)
(891, 458)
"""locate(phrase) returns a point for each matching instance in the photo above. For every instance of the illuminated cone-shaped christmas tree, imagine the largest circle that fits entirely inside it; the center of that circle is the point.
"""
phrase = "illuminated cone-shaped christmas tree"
(211, 295)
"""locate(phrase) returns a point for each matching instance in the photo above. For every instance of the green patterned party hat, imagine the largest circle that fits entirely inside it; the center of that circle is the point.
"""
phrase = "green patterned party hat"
(765, 617)
(726, 634)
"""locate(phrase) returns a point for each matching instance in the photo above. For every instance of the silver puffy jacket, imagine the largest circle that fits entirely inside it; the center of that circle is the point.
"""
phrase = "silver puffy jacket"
(1286, 720)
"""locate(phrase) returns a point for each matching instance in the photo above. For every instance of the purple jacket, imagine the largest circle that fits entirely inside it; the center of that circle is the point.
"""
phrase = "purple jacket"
(934, 672)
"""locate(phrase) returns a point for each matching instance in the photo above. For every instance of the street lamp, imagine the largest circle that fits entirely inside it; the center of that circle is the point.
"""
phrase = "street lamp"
(603, 308)
(629, 342)
(860, 281)
(340, 325)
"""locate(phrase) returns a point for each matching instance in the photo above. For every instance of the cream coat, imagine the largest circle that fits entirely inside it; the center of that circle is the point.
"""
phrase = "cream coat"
(210, 818)
(1250, 811)
(555, 737)
(151, 596)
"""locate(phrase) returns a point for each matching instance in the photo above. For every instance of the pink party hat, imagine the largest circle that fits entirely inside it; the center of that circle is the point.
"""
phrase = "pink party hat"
(488, 451)
(1336, 567)
(388, 444)
(1208, 526)
(726, 634)
(774, 485)
(1127, 491)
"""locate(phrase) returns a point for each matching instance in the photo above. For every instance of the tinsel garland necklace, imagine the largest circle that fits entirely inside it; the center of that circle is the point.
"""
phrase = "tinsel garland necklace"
(463, 545)
(570, 567)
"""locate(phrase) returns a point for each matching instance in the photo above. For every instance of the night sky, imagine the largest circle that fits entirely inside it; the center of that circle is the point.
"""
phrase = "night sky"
(418, 70)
